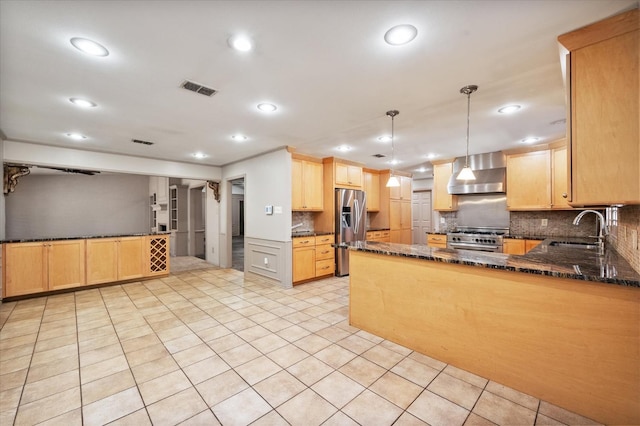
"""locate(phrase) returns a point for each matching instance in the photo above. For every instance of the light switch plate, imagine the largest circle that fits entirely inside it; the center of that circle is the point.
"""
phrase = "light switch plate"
(277, 209)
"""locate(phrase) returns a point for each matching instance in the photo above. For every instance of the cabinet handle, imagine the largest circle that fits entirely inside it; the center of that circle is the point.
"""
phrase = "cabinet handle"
(564, 195)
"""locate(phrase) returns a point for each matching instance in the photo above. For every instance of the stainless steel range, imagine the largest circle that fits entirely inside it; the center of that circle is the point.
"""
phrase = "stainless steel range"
(477, 238)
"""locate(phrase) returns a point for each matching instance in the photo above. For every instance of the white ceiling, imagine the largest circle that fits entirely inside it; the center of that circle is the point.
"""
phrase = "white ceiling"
(324, 63)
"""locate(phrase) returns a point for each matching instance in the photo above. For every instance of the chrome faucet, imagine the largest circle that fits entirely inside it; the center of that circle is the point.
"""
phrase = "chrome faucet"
(602, 233)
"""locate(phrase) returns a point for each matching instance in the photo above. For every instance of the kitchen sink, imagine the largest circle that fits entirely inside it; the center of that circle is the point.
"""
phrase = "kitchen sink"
(588, 246)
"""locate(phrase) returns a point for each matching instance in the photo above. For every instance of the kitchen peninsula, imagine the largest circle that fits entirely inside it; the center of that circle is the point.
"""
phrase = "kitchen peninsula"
(33, 267)
(563, 333)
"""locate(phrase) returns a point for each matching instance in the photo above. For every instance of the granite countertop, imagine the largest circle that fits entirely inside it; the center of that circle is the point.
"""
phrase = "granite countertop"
(530, 237)
(562, 262)
(309, 234)
(81, 237)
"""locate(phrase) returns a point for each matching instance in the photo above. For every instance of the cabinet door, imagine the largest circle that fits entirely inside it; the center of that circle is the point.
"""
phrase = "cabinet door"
(297, 186)
(131, 254)
(605, 152)
(402, 192)
(348, 175)
(442, 200)
(66, 264)
(312, 190)
(395, 215)
(325, 251)
(372, 190)
(530, 245)
(511, 246)
(559, 174)
(529, 181)
(304, 263)
(102, 260)
(25, 268)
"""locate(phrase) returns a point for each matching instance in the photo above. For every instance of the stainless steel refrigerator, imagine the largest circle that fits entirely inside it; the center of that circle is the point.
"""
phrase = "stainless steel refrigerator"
(351, 210)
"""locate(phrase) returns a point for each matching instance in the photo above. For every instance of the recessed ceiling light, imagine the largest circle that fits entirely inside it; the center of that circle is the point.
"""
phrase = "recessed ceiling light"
(89, 46)
(200, 155)
(530, 140)
(384, 138)
(265, 107)
(394, 162)
(241, 43)
(508, 109)
(400, 34)
(431, 155)
(344, 148)
(76, 136)
(239, 138)
(82, 103)
(421, 170)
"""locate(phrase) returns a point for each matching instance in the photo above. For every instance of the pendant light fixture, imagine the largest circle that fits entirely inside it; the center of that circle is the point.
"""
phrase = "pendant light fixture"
(393, 181)
(466, 173)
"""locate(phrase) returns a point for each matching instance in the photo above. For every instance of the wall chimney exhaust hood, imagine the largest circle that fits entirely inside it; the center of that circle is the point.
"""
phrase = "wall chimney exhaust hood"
(491, 175)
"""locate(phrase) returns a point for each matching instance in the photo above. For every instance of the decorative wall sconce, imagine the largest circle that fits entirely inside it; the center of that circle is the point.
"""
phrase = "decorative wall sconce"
(215, 186)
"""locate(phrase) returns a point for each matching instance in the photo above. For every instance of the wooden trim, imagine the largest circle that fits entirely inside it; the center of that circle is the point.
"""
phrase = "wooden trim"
(443, 161)
(602, 30)
(532, 148)
(373, 171)
(341, 161)
(306, 158)
(573, 343)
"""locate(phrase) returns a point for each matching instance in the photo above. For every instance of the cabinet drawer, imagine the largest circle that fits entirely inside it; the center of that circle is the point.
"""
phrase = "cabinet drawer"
(325, 239)
(437, 240)
(304, 242)
(324, 251)
(325, 267)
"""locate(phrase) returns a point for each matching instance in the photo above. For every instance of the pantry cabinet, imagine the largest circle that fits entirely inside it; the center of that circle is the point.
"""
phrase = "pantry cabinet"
(603, 110)
(43, 266)
(442, 200)
(372, 189)
(400, 221)
(402, 192)
(307, 185)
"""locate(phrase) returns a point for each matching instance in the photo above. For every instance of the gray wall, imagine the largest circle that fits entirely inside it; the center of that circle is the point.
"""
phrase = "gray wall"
(63, 205)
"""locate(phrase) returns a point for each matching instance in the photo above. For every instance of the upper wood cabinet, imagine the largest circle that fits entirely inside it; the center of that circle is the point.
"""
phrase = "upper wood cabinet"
(442, 200)
(43, 266)
(529, 181)
(307, 185)
(348, 175)
(603, 111)
(372, 190)
(402, 192)
(559, 179)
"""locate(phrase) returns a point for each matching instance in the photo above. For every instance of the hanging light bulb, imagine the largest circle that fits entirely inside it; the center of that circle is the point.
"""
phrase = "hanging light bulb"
(393, 180)
(466, 173)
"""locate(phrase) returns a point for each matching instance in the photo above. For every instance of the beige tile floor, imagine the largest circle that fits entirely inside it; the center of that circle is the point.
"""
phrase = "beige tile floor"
(209, 347)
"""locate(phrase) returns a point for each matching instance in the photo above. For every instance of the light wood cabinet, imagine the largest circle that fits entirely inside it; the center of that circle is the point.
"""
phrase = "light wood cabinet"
(372, 190)
(348, 175)
(437, 240)
(402, 192)
(529, 181)
(602, 122)
(115, 259)
(400, 221)
(442, 200)
(37, 267)
(307, 185)
(313, 257)
(383, 236)
(518, 246)
(559, 182)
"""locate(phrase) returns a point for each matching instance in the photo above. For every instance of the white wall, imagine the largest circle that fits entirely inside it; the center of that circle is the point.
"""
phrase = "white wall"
(2, 209)
(70, 205)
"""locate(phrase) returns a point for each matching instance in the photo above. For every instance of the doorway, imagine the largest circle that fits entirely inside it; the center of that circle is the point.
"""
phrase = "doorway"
(237, 224)
(197, 222)
(421, 213)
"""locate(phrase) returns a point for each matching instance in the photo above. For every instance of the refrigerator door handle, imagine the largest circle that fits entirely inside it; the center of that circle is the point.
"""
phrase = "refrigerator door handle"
(357, 216)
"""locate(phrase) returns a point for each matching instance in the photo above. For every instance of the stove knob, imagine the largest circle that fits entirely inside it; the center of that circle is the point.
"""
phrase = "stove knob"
(477, 240)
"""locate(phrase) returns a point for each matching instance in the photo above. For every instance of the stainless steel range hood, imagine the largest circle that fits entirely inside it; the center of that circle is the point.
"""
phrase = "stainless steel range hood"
(491, 175)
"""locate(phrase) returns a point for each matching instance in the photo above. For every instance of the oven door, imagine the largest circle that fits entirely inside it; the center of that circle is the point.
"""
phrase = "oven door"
(477, 247)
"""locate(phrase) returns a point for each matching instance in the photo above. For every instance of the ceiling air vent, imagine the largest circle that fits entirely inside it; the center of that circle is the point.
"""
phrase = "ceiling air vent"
(141, 142)
(198, 88)
(379, 155)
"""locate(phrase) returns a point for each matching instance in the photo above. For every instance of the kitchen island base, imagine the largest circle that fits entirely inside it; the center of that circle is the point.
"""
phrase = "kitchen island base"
(573, 343)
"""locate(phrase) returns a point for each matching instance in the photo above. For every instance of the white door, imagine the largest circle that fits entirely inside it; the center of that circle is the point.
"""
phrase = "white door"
(421, 212)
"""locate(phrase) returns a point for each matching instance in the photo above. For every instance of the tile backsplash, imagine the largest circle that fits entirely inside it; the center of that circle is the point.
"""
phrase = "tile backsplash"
(622, 233)
(559, 224)
(305, 218)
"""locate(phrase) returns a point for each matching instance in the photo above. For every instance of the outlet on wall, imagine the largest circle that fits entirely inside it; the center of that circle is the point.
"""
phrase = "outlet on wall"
(544, 222)
(266, 261)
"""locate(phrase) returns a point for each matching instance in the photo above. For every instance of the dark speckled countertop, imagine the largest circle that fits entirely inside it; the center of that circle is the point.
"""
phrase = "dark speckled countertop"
(81, 237)
(309, 234)
(562, 262)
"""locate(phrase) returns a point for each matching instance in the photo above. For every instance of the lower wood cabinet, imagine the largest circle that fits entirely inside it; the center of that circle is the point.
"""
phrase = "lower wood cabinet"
(517, 246)
(37, 267)
(437, 240)
(383, 236)
(313, 257)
